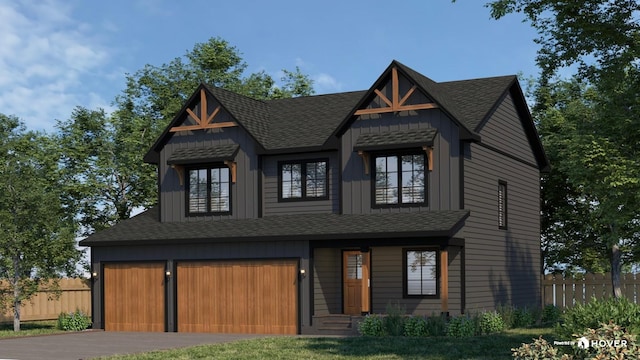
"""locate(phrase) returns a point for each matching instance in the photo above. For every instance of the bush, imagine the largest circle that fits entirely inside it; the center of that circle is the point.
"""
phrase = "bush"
(416, 326)
(621, 311)
(394, 321)
(371, 325)
(490, 322)
(507, 313)
(461, 326)
(523, 317)
(550, 315)
(73, 321)
(436, 325)
(606, 334)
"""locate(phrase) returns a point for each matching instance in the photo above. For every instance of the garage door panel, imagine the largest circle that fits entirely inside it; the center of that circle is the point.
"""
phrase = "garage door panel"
(134, 297)
(238, 297)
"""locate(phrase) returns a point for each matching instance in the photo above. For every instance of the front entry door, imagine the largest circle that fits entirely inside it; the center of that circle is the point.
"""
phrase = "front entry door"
(355, 282)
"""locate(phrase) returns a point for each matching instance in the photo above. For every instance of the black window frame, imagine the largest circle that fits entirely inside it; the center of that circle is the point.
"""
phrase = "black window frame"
(187, 190)
(303, 174)
(503, 205)
(405, 277)
(399, 154)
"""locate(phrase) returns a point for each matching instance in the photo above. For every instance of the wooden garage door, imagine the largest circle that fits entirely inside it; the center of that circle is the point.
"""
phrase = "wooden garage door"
(134, 297)
(254, 297)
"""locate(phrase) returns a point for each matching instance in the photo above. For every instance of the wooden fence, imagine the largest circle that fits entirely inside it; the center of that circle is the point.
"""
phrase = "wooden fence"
(76, 294)
(566, 292)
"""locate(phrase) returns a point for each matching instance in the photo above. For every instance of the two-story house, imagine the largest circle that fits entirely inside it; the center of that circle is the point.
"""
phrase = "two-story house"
(275, 215)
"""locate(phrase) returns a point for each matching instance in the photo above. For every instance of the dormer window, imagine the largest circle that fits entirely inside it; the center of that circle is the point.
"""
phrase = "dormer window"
(303, 180)
(209, 190)
(400, 179)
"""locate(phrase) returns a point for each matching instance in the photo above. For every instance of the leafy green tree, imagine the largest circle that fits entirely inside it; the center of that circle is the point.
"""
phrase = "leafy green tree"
(37, 233)
(596, 127)
(103, 152)
(592, 196)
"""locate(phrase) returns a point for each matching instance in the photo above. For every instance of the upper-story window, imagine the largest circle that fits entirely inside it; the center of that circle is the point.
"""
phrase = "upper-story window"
(399, 179)
(304, 180)
(502, 204)
(209, 191)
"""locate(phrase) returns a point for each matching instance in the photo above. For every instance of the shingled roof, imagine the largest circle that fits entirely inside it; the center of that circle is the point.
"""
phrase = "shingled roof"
(146, 228)
(308, 123)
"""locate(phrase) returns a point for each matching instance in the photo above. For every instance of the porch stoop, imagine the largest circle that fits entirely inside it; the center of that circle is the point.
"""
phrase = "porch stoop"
(336, 324)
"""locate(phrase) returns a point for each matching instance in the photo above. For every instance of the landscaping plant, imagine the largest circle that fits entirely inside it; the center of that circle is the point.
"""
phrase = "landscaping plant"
(73, 321)
(371, 325)
(596, 312)
(490, 322)
(461, 326)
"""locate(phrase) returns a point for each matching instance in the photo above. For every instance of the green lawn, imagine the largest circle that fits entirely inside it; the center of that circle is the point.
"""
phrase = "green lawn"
(496, 346)
(29, 329)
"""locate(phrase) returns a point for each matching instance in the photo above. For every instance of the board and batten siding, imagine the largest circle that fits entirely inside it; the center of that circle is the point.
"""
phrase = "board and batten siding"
(443, 182)
(173, 254)
(387, 283)
(270, 185)
(327, 281)
(244, 193)
(502, 266)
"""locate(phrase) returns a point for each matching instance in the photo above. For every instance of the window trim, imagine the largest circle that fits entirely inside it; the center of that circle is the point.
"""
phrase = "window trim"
(187, 189)
(303, 166)
(399, 154)
(503, 206)
(405, 285)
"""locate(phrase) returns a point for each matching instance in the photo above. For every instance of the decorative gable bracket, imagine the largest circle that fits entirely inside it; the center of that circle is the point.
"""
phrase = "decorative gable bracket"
(397, 102)
(204, 121)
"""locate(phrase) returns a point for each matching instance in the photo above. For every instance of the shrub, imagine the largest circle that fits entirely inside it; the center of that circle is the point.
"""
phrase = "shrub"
(596, 312)
(550, 315)
(606, 334)
(461, 326)
(490, 322)
(436, 325)
(371, 325)
(539, 349)
(73, 321)
(506, 312)
(416, 326)
(394, 321)
(523, 317)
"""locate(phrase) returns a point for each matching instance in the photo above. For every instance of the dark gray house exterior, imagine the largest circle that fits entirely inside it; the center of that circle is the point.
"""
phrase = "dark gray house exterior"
(292, 215)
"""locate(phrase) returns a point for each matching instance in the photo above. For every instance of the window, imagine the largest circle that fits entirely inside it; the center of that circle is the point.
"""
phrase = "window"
(400, 179)
(502, 204)
(304, 180)
(421, 272)
(209, 191)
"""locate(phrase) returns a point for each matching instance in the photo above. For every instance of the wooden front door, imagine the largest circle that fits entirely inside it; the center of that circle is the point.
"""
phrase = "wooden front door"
(355, 270)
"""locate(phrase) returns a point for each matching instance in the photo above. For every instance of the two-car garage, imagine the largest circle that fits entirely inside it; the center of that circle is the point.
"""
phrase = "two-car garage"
(231, 296)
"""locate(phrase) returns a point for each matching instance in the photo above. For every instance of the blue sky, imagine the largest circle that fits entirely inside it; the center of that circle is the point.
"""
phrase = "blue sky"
(59, 54)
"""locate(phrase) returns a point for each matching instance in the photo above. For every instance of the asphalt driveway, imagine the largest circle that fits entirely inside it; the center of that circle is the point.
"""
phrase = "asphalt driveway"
(91, 344)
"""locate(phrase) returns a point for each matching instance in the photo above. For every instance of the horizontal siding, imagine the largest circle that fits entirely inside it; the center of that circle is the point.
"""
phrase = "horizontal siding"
(270, 186)
(504, 131)
(327, 281)
(386, 283)
(502, 266)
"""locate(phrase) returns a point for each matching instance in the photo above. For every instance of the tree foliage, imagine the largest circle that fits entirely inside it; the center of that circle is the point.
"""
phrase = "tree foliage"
(37, 233)
(103, 152)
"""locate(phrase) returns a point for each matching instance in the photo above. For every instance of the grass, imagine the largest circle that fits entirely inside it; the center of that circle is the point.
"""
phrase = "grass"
(497, 346)
(29, 328)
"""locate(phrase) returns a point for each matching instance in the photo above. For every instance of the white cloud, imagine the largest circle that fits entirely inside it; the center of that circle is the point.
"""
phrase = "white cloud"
(325, 83)
(45, 55)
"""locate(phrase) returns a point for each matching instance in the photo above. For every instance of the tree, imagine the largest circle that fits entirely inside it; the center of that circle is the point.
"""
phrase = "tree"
(592, 196)
(37, 234)
(103, 153)
(598, 148)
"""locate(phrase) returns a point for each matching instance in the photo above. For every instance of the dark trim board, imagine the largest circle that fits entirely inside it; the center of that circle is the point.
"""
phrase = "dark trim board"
(510, 156)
